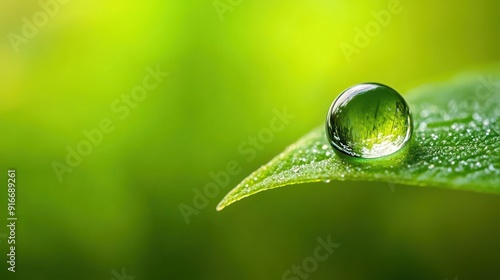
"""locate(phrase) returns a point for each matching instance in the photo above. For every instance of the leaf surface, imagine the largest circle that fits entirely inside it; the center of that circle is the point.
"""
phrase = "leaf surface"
(455, 145)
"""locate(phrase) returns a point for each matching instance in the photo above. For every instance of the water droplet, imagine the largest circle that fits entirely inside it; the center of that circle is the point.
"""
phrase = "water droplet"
(422, 126)
(369, 121)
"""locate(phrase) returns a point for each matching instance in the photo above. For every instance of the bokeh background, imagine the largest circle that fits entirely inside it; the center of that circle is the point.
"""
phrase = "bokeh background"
(119, 208)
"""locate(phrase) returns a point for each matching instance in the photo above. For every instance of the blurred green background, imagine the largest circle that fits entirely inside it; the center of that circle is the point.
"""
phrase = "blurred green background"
(119, 207)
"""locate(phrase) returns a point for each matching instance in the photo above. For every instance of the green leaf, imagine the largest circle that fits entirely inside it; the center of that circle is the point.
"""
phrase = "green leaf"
(455, 145)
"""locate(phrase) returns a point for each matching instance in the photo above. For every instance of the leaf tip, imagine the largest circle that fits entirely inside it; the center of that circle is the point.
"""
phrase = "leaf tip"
(220, 206)
(224, 202)
(229, 199)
